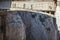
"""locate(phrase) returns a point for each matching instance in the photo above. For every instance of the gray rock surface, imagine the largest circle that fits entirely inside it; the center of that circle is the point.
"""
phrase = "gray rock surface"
(24, 25)
(15, 29)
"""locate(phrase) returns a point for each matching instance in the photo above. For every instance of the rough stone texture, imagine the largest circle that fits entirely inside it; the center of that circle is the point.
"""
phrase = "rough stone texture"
(23, 25)
(15, 29)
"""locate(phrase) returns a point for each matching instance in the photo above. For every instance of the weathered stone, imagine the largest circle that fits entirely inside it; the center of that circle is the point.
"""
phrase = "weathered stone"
(15, 29)
(33, 26)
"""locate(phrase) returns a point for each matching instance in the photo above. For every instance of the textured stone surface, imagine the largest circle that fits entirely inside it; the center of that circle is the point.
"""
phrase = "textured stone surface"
(15, 29)
(23, 25)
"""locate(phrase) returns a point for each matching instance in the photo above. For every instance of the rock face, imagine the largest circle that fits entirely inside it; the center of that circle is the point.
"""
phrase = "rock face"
(15, 29)
(24, 25)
